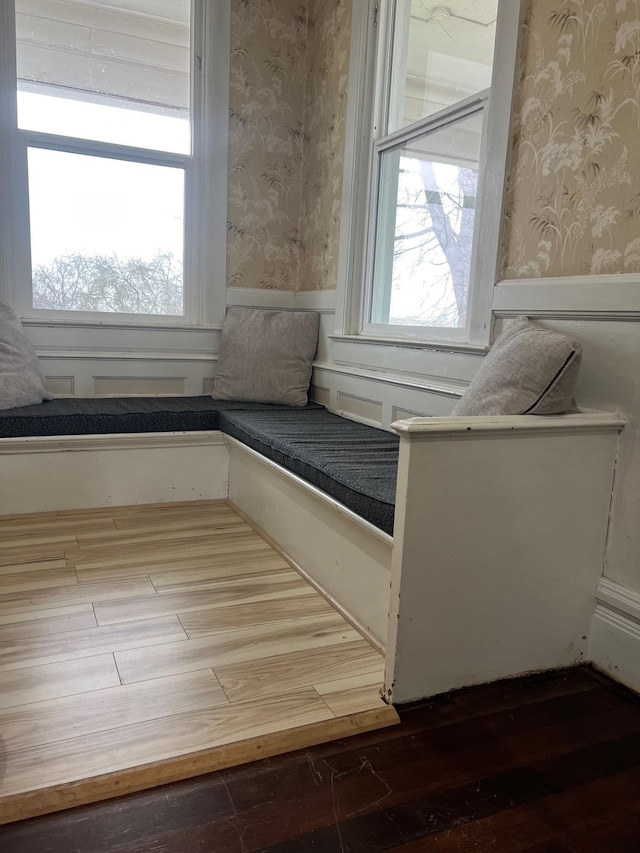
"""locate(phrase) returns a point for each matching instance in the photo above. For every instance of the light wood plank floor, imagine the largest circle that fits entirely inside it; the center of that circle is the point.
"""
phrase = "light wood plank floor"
(141, 645)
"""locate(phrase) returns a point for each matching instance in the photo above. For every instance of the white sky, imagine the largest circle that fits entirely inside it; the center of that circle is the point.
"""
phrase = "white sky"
(94, 205)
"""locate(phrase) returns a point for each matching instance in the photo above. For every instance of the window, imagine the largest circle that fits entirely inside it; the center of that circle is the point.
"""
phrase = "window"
(437, 137)
(112, 120)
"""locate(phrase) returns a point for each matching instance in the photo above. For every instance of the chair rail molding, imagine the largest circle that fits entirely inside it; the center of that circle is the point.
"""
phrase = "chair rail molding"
(597, 297)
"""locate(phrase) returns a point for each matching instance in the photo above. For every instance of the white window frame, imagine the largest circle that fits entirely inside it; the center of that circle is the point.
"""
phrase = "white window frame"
(205, 169)
(370, 81)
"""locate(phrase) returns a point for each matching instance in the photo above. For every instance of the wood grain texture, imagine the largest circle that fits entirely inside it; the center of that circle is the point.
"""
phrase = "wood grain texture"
(212, 564)
(347, 695)
(162, 737)
(25, 581)
(215, 620)
(462, 774)
(42, 623)
(95, 640)
(38, 566)
(233, 754)
(51, 680)
(27, 553)
(289, 637)
(22, 602)
(104, 690)
(173, 547)
(68, 717)
(257, 678)
(286, 584)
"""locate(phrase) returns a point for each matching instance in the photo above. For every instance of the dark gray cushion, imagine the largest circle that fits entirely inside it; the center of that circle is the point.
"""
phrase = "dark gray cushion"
(103, 415)
(354, 463)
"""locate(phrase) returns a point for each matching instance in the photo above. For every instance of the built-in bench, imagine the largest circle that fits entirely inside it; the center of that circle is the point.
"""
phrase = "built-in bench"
(354, 463)
(497, 545)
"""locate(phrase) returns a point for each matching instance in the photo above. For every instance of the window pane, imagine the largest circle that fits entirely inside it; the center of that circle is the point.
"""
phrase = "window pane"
(442, 54)
(94, 71)
(424, 227)
(106, 235)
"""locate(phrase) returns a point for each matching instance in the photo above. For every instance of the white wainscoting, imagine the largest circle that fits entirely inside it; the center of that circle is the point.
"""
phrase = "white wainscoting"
(606, 297)
(614, 641)
(114, 359)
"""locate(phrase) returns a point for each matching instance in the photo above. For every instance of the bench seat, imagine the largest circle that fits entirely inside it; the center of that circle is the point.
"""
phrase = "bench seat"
(109, 415)
(353, 463)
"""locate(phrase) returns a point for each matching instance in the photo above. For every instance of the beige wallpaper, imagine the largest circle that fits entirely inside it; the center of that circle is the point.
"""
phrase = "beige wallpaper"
(323, 149)
(268, 54)
(573, 205)
(286, 139)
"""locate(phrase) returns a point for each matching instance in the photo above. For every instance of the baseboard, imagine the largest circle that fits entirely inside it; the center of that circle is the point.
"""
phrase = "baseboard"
(614, 640)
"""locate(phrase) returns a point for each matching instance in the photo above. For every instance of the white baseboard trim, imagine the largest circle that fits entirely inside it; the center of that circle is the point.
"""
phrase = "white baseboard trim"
(614, 639)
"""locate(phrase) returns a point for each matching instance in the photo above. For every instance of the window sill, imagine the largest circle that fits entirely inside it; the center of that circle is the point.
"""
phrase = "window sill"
(412, 343)
(134, 325)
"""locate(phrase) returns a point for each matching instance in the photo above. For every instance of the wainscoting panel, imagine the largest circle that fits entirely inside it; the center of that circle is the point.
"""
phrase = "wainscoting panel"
(87, 360)
(614, 641)
(133, 386)
(368, 411)
(60, 386)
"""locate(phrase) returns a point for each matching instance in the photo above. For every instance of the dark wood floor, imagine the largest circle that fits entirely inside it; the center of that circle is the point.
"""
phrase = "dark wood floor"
(548, 764)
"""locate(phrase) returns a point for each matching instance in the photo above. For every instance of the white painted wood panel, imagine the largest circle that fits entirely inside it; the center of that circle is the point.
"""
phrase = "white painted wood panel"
(348, 558)
(614, 639)
(498, 546)
(614, 646)
(358, 408)
(135, 386)
(50, 474)
(604, 296)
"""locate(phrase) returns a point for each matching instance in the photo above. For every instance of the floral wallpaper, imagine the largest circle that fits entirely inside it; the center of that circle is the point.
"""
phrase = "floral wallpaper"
(286, 140)
(573, 205)
(323, 146)
(266, 105)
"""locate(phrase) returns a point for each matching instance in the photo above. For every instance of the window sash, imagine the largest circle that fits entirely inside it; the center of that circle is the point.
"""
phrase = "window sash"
(204, 209)
(404, 136)
(367, 118)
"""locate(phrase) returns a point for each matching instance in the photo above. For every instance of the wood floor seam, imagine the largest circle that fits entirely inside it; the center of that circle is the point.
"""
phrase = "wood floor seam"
(321, 698)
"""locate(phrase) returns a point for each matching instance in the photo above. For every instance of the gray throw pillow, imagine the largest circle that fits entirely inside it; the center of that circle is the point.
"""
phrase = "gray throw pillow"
(265, 356)
(528, 371)
(21, 382)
